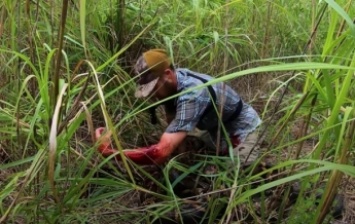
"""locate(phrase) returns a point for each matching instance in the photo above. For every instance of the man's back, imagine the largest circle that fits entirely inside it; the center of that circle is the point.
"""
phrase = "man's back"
(191, 106)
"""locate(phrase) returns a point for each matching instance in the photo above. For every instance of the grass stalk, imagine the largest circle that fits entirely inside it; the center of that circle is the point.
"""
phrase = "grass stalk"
(335, 176)
(53, 145)
(267, 25)
(58, 60)
(67, 171)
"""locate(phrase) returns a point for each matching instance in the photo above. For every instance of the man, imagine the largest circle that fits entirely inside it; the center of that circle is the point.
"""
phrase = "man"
(214, 108)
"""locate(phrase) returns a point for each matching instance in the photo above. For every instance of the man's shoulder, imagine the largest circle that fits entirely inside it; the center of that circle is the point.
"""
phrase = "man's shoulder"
(191, 73)
(185, 80)
(188, 82)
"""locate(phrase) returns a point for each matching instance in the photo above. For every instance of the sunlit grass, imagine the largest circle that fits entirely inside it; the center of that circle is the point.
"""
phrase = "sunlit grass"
(53, 172)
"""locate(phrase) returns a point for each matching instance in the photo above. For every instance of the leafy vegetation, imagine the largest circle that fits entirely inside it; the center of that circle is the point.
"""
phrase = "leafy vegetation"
(66, 69)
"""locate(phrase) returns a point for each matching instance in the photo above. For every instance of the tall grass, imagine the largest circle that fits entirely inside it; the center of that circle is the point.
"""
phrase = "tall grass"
(62, 76)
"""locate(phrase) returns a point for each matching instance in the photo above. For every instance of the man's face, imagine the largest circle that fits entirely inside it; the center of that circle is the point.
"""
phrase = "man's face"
(166, 85)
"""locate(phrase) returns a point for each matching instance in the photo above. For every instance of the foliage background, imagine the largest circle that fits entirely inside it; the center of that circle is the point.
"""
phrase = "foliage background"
(292, 60)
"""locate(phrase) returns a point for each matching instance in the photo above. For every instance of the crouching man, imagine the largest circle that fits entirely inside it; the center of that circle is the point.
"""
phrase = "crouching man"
(157, 78)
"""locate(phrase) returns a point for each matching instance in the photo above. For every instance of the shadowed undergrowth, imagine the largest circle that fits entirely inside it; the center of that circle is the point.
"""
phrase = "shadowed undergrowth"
(66, 69)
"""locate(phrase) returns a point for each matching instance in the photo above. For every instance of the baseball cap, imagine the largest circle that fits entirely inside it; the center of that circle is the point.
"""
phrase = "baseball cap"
(149, 68)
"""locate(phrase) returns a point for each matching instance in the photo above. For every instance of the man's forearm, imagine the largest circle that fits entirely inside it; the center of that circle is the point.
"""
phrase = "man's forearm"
(146, 155)
(153, 154)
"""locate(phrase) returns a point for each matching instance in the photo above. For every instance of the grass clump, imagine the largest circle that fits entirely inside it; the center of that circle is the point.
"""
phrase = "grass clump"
(66, 69)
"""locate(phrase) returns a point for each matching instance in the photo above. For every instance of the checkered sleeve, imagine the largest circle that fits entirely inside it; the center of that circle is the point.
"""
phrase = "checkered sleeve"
(188, 112)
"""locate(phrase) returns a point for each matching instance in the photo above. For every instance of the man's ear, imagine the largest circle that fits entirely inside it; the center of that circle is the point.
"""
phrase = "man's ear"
(168, 72)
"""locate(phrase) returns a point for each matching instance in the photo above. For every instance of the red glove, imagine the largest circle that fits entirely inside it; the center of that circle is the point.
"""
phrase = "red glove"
(104, 142)
(143, 156)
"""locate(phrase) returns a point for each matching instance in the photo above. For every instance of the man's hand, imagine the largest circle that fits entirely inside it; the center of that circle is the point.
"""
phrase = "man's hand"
(104, 142)
(154, 154)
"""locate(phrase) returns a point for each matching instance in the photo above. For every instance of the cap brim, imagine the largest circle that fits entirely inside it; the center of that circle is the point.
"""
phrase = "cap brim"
(146, 89)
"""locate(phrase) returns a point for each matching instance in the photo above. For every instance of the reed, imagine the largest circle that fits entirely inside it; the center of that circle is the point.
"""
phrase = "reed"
(67, 69)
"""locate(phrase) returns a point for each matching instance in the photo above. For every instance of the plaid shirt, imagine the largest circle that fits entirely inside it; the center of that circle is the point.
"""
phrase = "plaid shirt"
(191, 106)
